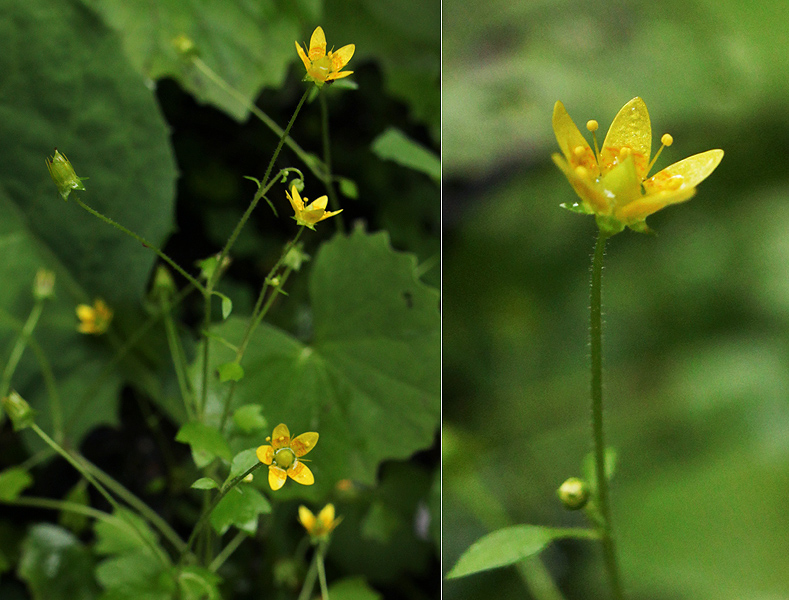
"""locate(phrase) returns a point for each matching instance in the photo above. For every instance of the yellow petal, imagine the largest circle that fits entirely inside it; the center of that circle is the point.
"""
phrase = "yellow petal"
(326, 516)
(687, 173)
(276, 477)
(318, 204)
(300, 473)
(306, 518)
(584, 188)
(341, 57)
(280, 438)
(85, 312)
(631, 129)
(303, 443)
(317, 44)
(303, 56)
(328, 214)
(340, 75)
(265, 454)
(640, 209)
(295, 199)
(570, 138)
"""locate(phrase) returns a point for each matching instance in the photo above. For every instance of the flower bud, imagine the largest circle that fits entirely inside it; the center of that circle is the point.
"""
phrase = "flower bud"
(574, 493)
(184, 45)
(44, 284)
(63, 174)
(295, 257)
(19, 411)
(163, 284)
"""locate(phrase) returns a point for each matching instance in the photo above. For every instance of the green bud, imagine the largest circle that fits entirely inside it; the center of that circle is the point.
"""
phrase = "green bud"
(163, 284)
(184, 45)
(298, 184)
(19, 411)
(574, 493)
(63, 174)
(295, 257)
(44, 285)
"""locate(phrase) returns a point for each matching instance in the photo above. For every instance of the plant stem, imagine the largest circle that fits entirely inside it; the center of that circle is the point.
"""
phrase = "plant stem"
(227, 551)
(329, 182)
(320, 553)
(309, 579)
(596, 343)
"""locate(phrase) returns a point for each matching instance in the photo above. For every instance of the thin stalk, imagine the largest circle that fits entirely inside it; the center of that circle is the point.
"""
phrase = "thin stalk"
(309, 579)
(51, 504)
(596, 342)
(334, 203)
(320, 553)
(227, 551)
(222, 493)
(179, 360)
(145, 243)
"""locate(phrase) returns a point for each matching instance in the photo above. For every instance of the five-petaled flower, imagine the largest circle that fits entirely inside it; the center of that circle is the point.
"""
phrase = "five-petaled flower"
(321, 526)
(612, 181)
(94, 319)
(63, 174)
(309, 214)
(324, 67)
(283, 456)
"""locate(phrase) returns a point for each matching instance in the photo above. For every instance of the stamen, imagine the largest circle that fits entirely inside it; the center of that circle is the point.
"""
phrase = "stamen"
(666, 140)
(592, 126)
(579, 151)
(582, 172)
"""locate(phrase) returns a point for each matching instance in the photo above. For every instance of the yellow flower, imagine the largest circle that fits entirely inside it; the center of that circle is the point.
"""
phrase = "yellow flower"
(310, 214)
(612, 182)
(94, 319)
(323, 67)
(282, 457)
(321, 526)
(63, 174)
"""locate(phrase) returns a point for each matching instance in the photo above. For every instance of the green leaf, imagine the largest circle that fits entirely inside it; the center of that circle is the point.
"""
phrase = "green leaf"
(123, 532)
(240, 508)
(116, 136)
(205, 483)
(227, 305)
(380, 523)
(133, 576)
(13, 482)
(76, 522)
(242, 462)
(197, 583)
(249, 45)
(206, 443)
(510, 545)
(590, 472)
(56, 566)
(368, 381)
(348, 188)
(231, 371)
(249, 418)
(353, 588)
(394, 145)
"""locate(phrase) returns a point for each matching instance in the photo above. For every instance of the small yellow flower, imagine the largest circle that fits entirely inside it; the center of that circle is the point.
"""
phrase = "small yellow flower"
(321, 526)
(323, 67)
(63, 174)
(612, 182)
(283, 454)
(312, 213)
(94, 319)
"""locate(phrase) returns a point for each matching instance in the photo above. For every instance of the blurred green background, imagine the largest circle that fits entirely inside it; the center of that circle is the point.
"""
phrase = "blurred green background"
(696, 340)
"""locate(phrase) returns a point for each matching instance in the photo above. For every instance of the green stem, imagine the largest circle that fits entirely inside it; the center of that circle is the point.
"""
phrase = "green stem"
(145, 243)
(596, 343)
(227, 551)
(309, 579)
(334, 203)
(179, 360)
(320, 553)
(245, 217)
(222, 493)
(51, 504)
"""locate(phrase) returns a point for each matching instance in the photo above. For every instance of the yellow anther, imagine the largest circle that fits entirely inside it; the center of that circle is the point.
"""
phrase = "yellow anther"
(582, 172)
(579, 151)
(625, 152)
(592, 125)
(666, 140)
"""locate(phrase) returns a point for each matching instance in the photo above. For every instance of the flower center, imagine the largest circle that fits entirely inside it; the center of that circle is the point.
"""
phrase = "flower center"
(320, 68)
(284, 458)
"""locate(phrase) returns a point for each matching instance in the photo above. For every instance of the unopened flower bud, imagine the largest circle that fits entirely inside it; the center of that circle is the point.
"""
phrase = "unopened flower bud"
(295, 257)
(63, 174)
(184, 45)
(163, 284)
(19, 411)
(574, 493)
(44, 284)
